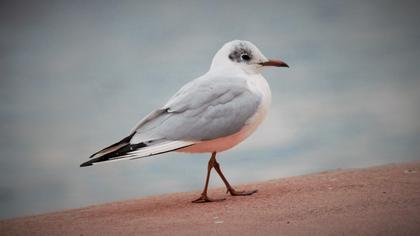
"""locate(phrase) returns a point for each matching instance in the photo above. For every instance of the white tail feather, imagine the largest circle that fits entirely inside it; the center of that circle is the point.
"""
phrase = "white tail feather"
(151, 150)
(159, 148)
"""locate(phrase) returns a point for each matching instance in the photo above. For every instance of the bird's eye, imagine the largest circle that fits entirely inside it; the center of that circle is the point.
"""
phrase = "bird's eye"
(245, 57)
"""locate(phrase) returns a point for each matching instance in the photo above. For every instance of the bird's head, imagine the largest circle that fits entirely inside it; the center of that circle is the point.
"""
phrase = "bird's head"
(243, 54)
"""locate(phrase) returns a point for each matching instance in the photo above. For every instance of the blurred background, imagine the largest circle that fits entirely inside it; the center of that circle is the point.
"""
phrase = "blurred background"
(78, 75)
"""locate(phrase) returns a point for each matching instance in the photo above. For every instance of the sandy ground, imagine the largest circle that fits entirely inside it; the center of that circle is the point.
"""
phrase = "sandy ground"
(381, 200)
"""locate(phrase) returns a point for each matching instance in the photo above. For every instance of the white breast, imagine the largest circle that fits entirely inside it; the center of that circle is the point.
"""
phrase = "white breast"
(259, 86)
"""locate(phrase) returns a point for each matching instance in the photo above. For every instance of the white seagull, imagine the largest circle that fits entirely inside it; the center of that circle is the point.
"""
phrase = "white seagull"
(212, 113)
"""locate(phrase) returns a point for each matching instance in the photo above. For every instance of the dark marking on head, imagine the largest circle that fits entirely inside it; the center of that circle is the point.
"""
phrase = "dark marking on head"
(241, 53)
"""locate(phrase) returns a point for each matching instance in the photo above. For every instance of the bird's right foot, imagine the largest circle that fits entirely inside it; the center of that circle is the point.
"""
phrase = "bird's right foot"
(203, 198)
(233, 192)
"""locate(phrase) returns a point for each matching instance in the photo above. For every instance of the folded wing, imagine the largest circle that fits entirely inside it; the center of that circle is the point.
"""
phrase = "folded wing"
(204, 109)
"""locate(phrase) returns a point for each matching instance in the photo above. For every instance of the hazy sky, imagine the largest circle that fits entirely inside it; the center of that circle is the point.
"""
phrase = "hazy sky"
(78, 75)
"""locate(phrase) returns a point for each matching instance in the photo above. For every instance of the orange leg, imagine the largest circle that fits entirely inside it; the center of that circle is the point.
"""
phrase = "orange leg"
(204, 197)
(213, 163)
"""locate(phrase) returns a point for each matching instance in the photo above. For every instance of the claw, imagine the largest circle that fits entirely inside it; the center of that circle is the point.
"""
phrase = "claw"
(204, 198)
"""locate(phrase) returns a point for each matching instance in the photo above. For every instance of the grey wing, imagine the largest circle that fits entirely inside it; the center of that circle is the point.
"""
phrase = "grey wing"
(204, 109)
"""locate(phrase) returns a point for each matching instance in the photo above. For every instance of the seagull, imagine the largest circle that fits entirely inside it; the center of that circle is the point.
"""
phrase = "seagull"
(210, 114)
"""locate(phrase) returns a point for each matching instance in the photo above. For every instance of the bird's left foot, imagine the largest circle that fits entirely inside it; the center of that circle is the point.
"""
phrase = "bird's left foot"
(203, 198)
(233, 192)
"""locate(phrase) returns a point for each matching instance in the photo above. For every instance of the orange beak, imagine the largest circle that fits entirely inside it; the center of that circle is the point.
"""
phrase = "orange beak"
(277, 63)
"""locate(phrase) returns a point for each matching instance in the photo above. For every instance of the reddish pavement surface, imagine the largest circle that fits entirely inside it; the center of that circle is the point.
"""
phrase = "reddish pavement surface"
(382, 200)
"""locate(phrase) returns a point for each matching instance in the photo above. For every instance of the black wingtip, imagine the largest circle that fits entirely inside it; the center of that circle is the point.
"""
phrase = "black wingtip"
(111, 155)
(88, 163)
